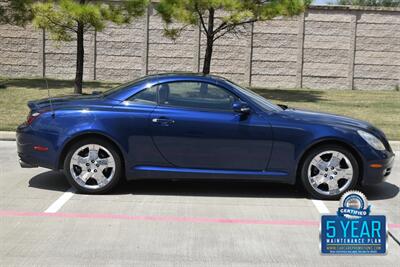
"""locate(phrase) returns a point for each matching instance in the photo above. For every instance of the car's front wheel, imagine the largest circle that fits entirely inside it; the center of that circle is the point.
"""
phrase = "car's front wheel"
(93, 166)
(328, 171)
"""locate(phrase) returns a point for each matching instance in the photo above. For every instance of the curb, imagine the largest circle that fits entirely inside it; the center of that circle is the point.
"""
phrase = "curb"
(10, 136)
(7, 136)
(395, 145)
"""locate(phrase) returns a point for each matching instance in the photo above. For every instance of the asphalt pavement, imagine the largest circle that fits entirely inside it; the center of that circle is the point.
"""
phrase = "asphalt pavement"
(43, 222)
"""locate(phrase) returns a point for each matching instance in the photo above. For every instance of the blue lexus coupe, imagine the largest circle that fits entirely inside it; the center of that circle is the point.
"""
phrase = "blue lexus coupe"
(190, 126)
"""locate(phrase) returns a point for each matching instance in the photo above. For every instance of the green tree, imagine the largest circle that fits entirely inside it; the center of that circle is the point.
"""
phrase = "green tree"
(16, 12)
(386, 3)
(219, 17)
(66, 19)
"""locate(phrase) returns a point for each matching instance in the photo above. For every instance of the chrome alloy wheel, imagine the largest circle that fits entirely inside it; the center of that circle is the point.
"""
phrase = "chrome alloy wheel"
(92, 166)
(330, 173)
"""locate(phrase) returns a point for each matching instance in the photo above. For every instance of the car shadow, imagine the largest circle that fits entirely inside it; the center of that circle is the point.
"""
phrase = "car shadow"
(381, 191)
(210, 188)
(56, 181)
(50, 180)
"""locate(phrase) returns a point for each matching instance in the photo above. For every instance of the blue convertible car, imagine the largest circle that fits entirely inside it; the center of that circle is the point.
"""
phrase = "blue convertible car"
(189, 126)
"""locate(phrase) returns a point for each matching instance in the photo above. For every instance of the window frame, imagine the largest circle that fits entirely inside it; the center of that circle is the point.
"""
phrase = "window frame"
(150, 104)
(193, 108)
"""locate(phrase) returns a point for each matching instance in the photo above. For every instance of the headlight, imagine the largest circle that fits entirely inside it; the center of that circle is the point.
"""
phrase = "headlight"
(371, 140)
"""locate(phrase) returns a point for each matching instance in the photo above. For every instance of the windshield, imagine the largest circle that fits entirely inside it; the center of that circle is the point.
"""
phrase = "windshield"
(261, 101)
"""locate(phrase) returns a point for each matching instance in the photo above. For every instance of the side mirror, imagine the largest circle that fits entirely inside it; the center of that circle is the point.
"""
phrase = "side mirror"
(241, 107)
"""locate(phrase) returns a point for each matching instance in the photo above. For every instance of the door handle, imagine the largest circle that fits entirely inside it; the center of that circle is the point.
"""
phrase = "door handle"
(163, 121)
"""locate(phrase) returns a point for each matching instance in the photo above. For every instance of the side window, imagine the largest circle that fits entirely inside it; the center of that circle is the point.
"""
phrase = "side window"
(195, 95)
(146, 96)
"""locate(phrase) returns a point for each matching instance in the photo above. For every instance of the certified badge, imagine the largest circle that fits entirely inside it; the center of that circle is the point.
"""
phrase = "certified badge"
(353, 205)
(353, 230)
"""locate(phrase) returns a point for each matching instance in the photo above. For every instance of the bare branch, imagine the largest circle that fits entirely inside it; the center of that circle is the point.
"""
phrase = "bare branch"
(229, 28)
(201, 19)
(219, 28)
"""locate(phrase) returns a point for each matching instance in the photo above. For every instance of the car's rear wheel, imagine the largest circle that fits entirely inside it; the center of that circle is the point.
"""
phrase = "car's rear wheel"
(329, 171)
(93, 166)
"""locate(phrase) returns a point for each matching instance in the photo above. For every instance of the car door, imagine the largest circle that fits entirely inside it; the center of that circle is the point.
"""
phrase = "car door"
(131, 126)
(194, 126)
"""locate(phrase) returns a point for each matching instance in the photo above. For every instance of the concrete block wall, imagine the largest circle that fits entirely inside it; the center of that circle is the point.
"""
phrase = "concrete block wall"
(377, 55)
(327, 40)
(230, 55)
(328, 47)
(275, 53)
(19, 51)
(119, 52)
(60, 58)
(167, 55)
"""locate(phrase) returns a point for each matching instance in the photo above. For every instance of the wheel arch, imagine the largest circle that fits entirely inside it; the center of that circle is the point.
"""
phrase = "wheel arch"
(331, 141)
(81, 136)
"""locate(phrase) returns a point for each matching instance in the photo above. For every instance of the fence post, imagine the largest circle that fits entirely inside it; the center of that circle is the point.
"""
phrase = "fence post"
(352, 49)
(94, 54)
(90, 68)
(300, 52)
(196, 47)
(249, 54)
(42, 53)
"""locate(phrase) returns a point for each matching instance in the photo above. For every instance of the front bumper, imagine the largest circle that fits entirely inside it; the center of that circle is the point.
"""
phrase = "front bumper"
(377, 171)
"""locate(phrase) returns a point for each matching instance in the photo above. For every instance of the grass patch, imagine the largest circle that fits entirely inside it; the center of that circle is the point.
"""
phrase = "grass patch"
(15, 93)
(381, 108)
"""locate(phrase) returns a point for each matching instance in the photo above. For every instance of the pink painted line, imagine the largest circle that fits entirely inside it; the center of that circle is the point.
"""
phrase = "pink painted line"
(155, 218)
(9, 213)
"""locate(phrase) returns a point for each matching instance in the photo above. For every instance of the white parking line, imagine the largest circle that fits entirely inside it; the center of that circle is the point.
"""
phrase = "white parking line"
(56, 206)
(321, 207)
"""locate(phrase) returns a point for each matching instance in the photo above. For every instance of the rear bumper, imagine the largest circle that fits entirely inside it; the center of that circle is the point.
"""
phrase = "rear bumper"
(26, 140)
(374, 175)
(24, 164)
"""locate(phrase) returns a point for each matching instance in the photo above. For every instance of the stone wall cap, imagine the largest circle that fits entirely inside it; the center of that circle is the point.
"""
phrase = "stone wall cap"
(363, 8)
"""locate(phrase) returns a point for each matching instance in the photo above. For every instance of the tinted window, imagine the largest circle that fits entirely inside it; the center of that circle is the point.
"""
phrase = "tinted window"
(195, 95)
(146, 96)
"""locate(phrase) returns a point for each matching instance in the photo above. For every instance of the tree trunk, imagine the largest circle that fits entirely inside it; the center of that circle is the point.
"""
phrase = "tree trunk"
(80, 53)
(208, 55)
(210, 42)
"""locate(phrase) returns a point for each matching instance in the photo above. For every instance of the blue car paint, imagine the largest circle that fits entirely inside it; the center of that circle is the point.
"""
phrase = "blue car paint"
(201, 143)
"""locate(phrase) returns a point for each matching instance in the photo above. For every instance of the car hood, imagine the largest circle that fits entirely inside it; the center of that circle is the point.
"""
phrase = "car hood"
(331, 119)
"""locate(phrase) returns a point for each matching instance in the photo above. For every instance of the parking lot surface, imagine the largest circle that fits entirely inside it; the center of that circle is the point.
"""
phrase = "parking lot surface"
(172, 223)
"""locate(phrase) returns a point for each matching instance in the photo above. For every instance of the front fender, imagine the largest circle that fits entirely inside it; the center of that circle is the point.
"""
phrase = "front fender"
(293, 138)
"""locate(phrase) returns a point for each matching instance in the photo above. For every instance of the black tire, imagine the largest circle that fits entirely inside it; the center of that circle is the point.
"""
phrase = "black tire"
(316, 151)
(118, 166)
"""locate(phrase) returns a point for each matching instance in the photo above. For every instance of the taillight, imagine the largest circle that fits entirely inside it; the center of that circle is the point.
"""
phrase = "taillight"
(31, 117)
